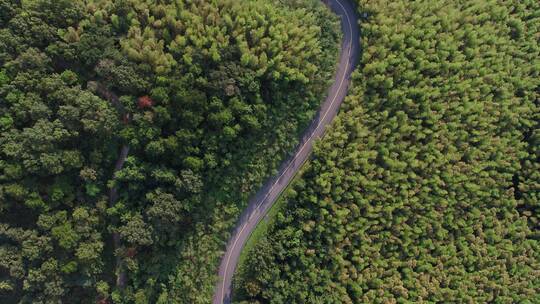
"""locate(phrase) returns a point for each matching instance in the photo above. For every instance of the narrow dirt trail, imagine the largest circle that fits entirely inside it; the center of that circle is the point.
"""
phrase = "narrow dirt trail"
(113, 192)
(113, 197)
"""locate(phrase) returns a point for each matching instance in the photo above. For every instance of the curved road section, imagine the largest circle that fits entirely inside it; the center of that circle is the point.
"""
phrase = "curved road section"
(263, 200)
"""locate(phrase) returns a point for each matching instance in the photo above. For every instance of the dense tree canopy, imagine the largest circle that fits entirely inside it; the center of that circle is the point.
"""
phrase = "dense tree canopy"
(426, 188)
(203, 97)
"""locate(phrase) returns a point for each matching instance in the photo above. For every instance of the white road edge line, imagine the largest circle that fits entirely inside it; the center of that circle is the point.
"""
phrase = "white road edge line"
(298, 153)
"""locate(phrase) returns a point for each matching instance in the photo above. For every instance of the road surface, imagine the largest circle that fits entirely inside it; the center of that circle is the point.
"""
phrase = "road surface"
(263, 200)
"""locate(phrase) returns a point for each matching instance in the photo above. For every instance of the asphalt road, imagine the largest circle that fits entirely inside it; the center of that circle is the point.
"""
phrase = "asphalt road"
(263, 200)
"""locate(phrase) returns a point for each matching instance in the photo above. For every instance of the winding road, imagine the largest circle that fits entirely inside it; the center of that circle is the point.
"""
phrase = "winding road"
(263, 200)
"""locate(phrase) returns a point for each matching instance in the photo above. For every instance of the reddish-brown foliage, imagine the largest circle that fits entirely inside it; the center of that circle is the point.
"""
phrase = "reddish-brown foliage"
(145, 102)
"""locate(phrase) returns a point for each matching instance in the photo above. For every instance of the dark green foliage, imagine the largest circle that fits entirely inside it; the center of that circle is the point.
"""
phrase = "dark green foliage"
(229, 86)
(426, 188)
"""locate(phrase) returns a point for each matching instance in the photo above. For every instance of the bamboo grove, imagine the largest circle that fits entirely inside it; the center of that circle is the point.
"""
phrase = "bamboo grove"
(426, 189)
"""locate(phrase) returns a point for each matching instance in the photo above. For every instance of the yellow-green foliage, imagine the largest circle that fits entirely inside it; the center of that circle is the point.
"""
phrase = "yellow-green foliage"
(276, 42)
(426, 188)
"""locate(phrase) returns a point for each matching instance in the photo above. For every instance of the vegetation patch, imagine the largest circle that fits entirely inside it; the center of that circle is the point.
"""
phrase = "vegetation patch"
(426, 188)
(132, 133)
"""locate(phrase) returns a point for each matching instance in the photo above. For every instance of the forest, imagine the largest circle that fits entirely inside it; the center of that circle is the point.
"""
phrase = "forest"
(132, 133)
(426, 189)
